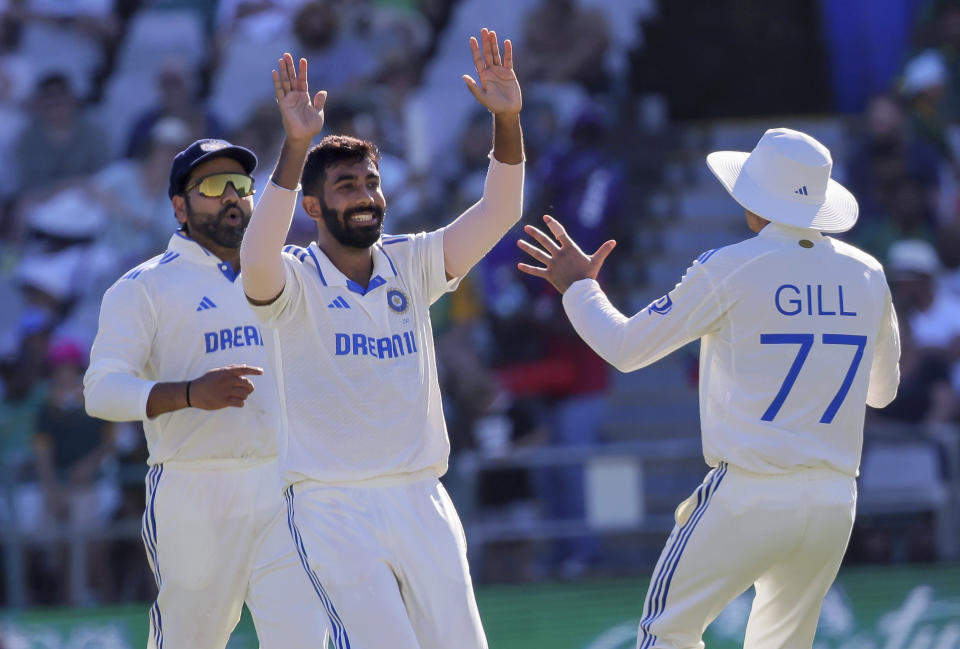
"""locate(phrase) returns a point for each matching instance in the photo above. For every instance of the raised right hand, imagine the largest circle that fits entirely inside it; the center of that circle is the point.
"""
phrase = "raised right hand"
(302, 118)
(563, 261)
(223, 387)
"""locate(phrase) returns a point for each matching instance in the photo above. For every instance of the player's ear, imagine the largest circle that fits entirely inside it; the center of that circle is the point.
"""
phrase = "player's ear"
(311, 205)
(179, 208)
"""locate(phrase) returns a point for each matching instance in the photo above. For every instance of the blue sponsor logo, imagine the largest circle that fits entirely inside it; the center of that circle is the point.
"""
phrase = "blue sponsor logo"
(661, 306)
(394, 346)
(397, 300)
(240, 336)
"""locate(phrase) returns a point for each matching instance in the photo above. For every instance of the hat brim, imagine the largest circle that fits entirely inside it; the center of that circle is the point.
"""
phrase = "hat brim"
(837, 213)
(244, 156)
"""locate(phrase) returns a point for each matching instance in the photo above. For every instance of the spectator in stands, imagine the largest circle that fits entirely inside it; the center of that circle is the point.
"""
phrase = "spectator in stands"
(948, 249)
(907, 215)
(932, 312)
(259, 20)
(12, 121)
(539, 357)
(59, 145)
(926, 90)
(343, 62)
(925, 395)
(391, 30)
(507, 495)
(395, 83)
(178, 92)
(468, 169)
(133, 194)
(503, 289)
(47, 282)
(24, 393)
(72, 37)
(584, 183)
(66, 261)
(911, 266)
(71, 450)
(567, 43)
(938, 26)
(885, 154)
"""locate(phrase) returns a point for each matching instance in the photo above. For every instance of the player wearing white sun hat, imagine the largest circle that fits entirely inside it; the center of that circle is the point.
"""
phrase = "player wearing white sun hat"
(797, 333)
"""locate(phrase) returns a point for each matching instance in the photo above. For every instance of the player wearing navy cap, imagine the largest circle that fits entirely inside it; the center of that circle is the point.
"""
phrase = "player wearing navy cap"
(363, 440)
(179, 348)
(797, 332)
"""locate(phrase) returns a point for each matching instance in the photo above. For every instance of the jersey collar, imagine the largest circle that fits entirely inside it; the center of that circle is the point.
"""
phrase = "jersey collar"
(187, 248)
(781, 231)
(330, 275)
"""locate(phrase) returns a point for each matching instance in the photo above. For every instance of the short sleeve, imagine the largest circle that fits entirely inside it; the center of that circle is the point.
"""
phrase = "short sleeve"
(430, 248)
(288, 302)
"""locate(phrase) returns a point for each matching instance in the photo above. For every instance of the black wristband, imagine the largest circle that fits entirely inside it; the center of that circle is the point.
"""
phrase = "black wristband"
(189, 405)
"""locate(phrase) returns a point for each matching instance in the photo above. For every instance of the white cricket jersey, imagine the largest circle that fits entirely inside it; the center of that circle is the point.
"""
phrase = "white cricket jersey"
(173, 318)
(798, 332)
(356, 367)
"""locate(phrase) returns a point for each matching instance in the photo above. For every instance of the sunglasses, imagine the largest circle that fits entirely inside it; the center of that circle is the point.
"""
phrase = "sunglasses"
(214, 185)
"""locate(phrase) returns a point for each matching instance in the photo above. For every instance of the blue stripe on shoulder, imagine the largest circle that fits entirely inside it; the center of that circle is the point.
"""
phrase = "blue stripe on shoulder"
(316, 262)
(387, 240)
(165, 258)
(707, 255)
(390, 261)
(296, 251)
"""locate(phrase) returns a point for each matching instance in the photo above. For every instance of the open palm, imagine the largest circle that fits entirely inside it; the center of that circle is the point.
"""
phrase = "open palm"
(302, 117)
(563, 261)
(498, 89)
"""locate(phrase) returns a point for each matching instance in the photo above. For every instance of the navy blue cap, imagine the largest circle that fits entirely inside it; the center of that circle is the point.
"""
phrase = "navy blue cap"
(202, 150)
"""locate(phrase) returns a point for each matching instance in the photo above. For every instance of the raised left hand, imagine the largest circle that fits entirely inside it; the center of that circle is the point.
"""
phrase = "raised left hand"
(563, 261)
(302, 117)
(498, 89)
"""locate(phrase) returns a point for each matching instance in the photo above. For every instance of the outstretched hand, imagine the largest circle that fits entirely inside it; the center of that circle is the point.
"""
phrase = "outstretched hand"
(564, 263)
(498, 89)
(302, 117)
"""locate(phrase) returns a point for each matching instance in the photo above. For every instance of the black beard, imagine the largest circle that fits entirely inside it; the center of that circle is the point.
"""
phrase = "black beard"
(215, 229)
(352, 236)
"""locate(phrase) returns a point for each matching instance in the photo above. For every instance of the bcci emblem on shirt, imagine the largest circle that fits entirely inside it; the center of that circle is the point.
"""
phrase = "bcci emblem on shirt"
(397, 300)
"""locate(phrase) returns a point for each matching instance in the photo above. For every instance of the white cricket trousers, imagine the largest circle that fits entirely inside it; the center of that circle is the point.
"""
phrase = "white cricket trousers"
(388, 559)
(785, 535)
(216, 536)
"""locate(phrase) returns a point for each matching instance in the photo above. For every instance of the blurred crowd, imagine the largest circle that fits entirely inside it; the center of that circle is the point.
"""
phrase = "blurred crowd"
(97, 96)
(903, 165)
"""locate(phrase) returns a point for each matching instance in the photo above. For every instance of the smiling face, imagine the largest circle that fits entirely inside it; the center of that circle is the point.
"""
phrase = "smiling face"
(351, 205)
(214, 222)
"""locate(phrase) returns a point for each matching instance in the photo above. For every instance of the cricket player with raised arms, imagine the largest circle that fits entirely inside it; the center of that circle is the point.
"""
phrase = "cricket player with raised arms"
(363, 440)
(797, 333)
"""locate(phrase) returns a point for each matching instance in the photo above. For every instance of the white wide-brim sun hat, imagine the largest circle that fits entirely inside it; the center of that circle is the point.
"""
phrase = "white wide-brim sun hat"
(786, 179)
